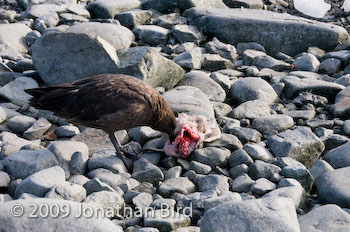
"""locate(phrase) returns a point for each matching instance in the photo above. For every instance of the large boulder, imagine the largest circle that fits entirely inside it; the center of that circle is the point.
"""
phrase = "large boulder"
(267, 214)
(275, 31)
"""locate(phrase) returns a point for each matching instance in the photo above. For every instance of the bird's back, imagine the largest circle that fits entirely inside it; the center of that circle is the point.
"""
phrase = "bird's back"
(108, 101)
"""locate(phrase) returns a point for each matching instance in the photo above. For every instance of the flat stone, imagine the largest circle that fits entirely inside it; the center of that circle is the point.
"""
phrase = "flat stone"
(244, 134)
(318, 168)
(288, 28)
(168, 222)
(265, 61)
(341, 107)
(38, 129)
(67, 131)
(296, 193)
(295, 85)
(108, 8)
(214, 62)
(301, 114)
(20, 124)
(248, 216)
(12, 143)
(251, 109)
(14, 90)
(339, 157)
(276, 122)
(176, 185)
(133, 17)
(258, 152)
(287, 182)
(72, 222)
(106, 159)
(332, 187)
(144, 171)
(67, 191)
(187, 33)
(24, 163)
(211, 156)
(202, 81)
(190, 59)
(14, 39)
(200, 168)
(228, 141)
(260, 169)
(227, 51)
(325, 218)
(223, 198)
(294, 143)
(218, 183)
(262, 186)
(170, 20)
(40, 182)
(307, 97)
(252, 88)
(161, 72)
(152, 34)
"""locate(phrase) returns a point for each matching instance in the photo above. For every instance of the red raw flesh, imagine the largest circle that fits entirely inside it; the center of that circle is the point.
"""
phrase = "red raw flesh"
(184, 143)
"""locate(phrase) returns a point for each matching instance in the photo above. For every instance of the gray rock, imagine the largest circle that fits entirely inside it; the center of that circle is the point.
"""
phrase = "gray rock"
(248, 216)
(277, 122)
(251, 4)
(294, 143)
(143, 134)
(301, 114)
(224, 81)
(152, 34)
(67, 191)
(108, 8)
(40, 182)
(200, 168)
(252, 88)
(223, 198)
(244, 134)
(339, 157)
(228, 141)
(144, 171)
(95, 185)
(75, 53)
(251, 109)
(72, 222)
(24, 163)
(170, 20)
(258, 152)
(4, 180)
(133, 17)
(5, 197)
(238, 170)
(78, 163)
(221, 109)
(242, 183)
(262, 186)
(196, 200)
(265, 61)
(201, 80)
(341, 107)
(218, 183)
(295, 85)
(168, 222)
(133, 61)
(12, 143)
(240, 157)
(225, 50)
(307, 62)
(241, 47)
(189, 59)
(296, 193)
(186, 4)
(176, 185)
(332, 187)
(307, 97)
(227, 24)
(346, 127)
(287, 182)
(211, 156)
(343, 80)
(67, 131)
(106, 159)
(174, 172)
(187, 33)
(142, 200)
(20, 124)
(330, 66)
(301, 174)
(106, 199)
(78, 179)
(163, 203)
(214, 62)
(262, 169)
(15, 39)
(37, 129)
(14, 90)
(325, 218)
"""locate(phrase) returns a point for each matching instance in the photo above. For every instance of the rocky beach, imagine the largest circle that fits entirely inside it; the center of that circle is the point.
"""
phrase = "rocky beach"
(273, 79)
